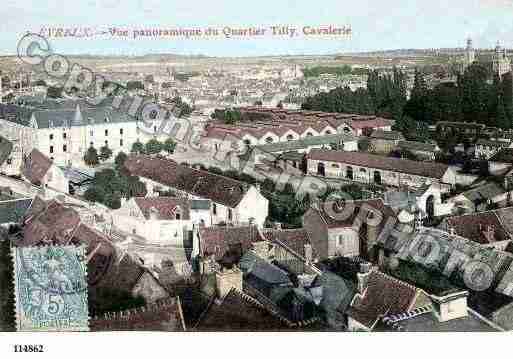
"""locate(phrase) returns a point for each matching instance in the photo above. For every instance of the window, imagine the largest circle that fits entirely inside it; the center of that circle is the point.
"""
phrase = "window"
(51, 136)
(64, 148)
(120, 131)
(340, 240)
(247, 142)
(328, 132)
(309, 134)
(64, 135)
(269, 140)
(290, 138)
(214, 208)
(106, 132)
(178, 216)
(121, 143)
(230, 214)
(51, 149)
(155, 129)
(106, 143)
(9, 161)
(91, 133)
(91, 144)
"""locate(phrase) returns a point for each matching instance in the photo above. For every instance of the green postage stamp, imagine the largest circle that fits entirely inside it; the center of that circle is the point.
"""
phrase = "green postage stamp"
(51, 288)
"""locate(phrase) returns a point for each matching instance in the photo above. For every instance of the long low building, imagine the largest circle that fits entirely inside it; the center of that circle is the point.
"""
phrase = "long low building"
(368, 168)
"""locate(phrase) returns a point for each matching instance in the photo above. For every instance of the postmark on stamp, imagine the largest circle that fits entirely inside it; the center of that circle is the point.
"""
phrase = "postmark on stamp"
(51, 288)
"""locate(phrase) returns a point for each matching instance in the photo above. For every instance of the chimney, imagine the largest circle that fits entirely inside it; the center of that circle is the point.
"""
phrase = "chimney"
(308, 252)
(261, 249)
(226, 279)
(489, 233)
(450, 306)
(363, 276)
(154, 214)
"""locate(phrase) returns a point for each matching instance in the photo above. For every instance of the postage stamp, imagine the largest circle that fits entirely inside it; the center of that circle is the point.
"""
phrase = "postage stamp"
(51, 288)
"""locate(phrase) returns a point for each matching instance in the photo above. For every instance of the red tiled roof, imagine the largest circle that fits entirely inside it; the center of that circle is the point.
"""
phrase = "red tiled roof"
(424, 169)
(220, 189)
(165, 206)
(36, 166)
(294, 239)
(238, 312)
(220, 240)
(165, 315)
(384, 295)
(483, 228)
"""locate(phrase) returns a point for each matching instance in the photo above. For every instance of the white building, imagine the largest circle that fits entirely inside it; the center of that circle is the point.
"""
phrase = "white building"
(232, 202)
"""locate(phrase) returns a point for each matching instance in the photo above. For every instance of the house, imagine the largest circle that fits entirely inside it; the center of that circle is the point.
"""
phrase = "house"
(12, 211)
(41, 171)
(346, 228)
(63, 130)
(274, 151)
(163, 315)
(379, 170)
(379, 295)
(501, 162)
(423, 151)
(232, 201)
(485, 228)
(226, 245)
(384, 141)
(481, 198)
(484, 149)
(110, 270)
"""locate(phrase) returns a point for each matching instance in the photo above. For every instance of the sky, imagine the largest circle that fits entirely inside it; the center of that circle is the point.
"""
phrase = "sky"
(375, 25)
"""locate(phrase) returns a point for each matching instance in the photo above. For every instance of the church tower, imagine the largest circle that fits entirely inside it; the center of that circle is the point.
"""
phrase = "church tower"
(501, 64)
(470, 53)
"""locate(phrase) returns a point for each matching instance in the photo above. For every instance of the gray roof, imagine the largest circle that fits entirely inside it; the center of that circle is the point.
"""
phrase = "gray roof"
(253, 265)
(75, 175)
(417, 146)
(12, 211)
(387, 135)
(427, 322)
(485, 192)
(200, 204)
(491, 143)
(304, 143)
(5, 149)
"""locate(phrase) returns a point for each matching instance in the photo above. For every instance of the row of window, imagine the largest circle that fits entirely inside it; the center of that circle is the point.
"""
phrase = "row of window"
(214, 212)
(91, 133)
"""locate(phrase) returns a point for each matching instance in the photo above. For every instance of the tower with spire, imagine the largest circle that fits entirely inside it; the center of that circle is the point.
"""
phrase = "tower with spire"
(470, 53)
(501, 64)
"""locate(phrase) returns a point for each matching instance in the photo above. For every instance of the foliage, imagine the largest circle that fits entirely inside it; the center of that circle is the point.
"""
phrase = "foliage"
(91, 157)
(169, 145)
(54, 92)
(137, 147)
(153, 147)
(105, 153)
(134, 85)
(316, 71)
(119, 161)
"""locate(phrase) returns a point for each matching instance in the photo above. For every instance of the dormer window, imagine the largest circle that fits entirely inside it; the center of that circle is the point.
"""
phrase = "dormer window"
(269, 140)
(51, 136)
(106, 132)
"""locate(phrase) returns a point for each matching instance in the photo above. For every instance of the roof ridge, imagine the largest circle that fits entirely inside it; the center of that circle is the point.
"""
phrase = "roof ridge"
(394, 279)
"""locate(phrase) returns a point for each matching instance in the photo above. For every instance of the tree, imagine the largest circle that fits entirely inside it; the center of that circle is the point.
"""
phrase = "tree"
(91, 157)
(54, 92)
(137, 147)
(119, 161)
(105, 153)
(169, 145)
(153, 147)
(95, 194)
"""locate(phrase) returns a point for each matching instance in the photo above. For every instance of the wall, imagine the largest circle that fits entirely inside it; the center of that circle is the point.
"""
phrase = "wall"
(343, 242)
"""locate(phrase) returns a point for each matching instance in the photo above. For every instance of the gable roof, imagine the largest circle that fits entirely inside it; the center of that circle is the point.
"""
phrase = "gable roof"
(239, 312)
(384, 295)
(5, 149)
(164, 315)
(13, 211)
(220, 240)
(417, 146)
(36, 166)
(166, 207)
(387, 135)
(424, 169)
(476, 225)
(293, 239)
(219, 189)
